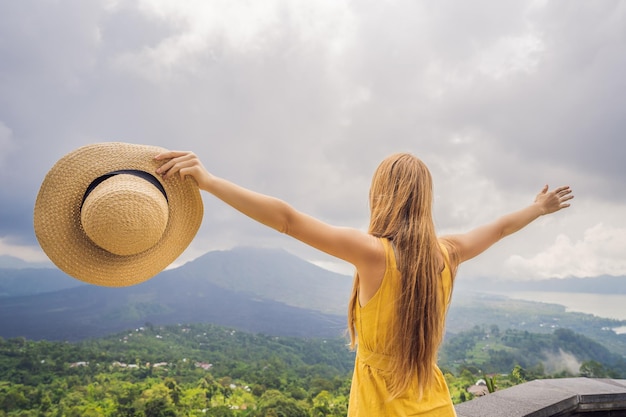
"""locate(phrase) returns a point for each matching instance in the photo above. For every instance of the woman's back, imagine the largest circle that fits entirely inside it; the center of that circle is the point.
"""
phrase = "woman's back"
(369, 395)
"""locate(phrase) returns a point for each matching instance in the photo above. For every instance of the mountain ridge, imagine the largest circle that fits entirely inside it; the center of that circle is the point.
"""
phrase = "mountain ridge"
(258, 290)
(603, 284)
(15, 282)
(181, 295)
(275, 274)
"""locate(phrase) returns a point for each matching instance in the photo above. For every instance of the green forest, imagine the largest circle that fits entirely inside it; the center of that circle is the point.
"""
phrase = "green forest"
(208, 370)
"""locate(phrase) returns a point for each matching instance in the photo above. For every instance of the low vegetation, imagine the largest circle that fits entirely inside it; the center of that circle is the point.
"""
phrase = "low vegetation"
(207, 370)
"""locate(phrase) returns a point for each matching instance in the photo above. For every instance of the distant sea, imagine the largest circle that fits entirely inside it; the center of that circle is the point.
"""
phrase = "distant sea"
(612, 306)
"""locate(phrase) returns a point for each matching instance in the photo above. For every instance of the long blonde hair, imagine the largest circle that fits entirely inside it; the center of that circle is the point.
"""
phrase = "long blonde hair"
(401, 197)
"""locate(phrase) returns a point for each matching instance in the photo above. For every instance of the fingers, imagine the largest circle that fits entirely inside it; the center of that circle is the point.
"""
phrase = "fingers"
(178, 160)
(164, 169)
(563, 195)
(559, 192)
(563, 190)
(171, 154)
(564, 200)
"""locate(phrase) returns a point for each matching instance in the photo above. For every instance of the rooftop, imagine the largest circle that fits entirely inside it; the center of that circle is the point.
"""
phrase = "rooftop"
(567, 397)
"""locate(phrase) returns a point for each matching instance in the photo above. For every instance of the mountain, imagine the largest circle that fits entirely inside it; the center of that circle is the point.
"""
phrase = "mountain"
(260, 291)
(604, 284)
(192, 293)
(7, 261)
(28, 281)
(276, 275)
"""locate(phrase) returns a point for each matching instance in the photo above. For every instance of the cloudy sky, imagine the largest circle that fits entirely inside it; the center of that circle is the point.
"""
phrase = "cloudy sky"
(301, 99)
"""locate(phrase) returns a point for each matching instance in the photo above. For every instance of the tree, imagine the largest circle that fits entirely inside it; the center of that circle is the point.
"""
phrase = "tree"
(175, 391)
(321, 404)
(491, 383)
(159, 407)
(518, 374)
(220, 411)
(592, 369)
(274, 403)
(12, 399)
(125, 393)
(157, 402)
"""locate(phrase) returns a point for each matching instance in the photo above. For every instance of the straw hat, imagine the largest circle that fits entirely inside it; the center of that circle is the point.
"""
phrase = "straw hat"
(103, 216)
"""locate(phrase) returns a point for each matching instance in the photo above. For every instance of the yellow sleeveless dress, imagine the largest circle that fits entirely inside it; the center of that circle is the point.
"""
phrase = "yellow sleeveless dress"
(368, 393)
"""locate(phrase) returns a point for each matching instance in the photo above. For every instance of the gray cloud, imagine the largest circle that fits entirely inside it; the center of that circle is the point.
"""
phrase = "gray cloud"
(302, 100)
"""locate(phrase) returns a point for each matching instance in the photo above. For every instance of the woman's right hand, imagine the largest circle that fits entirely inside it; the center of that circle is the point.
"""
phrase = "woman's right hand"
(184, 163)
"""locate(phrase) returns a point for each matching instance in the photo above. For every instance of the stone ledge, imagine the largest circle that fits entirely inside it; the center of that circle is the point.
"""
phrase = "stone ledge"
(550, 398)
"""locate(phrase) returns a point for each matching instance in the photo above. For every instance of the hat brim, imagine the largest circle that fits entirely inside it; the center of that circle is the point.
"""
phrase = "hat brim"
(57, 215)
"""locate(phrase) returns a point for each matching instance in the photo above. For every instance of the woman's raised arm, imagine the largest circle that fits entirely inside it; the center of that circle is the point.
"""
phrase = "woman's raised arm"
(348, 244)
(476, 241)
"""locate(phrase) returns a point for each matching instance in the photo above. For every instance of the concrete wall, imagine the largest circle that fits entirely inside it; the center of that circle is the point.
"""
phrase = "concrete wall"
(552, 397)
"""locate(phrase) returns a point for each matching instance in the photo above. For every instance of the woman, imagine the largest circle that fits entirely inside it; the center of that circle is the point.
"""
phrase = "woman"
(403, 280)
